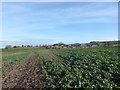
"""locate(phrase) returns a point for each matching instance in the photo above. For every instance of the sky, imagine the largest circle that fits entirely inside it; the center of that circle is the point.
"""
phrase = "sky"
(51, 22)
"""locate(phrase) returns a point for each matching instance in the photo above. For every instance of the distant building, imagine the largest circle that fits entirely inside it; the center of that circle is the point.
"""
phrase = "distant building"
(94, 46)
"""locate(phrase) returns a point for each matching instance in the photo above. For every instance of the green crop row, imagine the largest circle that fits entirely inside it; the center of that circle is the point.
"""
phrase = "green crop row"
(87, 68)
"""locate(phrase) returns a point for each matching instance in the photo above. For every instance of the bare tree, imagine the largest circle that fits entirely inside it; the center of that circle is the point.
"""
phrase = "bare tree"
(8, 46)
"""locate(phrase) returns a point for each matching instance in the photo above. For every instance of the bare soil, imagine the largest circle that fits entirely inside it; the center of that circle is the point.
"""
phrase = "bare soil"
(25, 74)
(52, 56)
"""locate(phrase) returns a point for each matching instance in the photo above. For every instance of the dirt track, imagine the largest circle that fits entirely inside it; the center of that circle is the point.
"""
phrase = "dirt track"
(24, 75)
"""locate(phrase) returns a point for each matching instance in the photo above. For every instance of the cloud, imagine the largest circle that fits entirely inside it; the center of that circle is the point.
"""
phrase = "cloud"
(21, 17)
(38, 19)
(37, 39)
(61, 15)
(27, 41)
(56, 15)
(14, 8)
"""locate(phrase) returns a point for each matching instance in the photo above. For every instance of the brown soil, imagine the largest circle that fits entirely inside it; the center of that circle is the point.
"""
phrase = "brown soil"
(6, 63)
(49, 55)
(52, 56)
(24, 75)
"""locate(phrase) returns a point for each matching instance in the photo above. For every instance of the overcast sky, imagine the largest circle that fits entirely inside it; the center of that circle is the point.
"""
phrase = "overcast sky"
(50, 22)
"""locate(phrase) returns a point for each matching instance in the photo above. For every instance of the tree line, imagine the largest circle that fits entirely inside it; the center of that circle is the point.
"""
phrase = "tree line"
(90, 44)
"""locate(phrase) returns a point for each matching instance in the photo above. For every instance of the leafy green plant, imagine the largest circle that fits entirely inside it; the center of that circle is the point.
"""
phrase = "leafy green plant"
(97, 67)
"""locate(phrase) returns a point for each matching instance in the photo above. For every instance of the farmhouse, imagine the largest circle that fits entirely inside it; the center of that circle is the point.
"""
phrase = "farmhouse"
(94, 46)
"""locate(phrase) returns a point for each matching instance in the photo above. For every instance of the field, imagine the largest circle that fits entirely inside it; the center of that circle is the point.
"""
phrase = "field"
(97, 67)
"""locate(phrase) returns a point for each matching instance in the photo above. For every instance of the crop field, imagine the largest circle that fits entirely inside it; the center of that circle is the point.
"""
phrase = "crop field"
(97, 67)
(13, 56)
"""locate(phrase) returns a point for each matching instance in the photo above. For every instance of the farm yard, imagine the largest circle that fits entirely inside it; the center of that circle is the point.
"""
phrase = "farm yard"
(95, 67)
